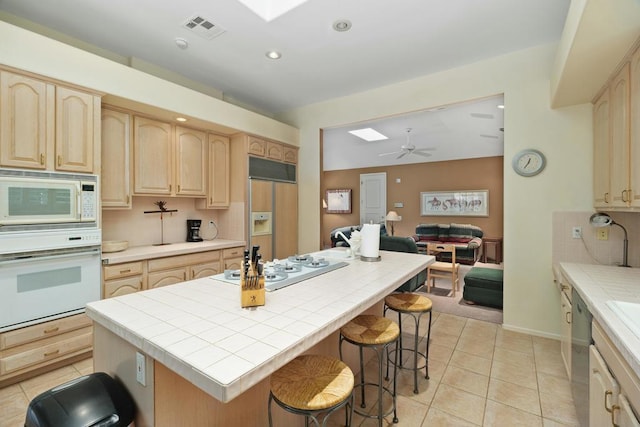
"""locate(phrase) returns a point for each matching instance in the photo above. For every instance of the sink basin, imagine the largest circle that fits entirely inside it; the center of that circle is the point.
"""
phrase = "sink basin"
(335, 253)
(629, 313)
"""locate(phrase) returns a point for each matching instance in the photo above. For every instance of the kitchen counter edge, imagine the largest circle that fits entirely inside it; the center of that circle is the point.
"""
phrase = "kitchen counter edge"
(138, 253)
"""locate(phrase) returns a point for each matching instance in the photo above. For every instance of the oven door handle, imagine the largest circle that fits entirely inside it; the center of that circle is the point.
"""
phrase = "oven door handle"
(49, 255)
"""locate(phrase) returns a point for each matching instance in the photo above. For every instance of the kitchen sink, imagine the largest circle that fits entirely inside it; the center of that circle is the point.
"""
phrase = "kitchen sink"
(335, 253)
(629, 313)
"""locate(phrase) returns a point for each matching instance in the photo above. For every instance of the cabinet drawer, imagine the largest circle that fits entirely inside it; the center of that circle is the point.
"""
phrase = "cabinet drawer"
(43, 330)
(117, 271)
(129, 285)
(233, 252)
(54, 349)
(183, 260)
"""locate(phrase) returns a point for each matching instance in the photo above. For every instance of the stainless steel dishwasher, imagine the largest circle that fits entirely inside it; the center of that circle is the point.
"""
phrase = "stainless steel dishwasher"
(580, 341)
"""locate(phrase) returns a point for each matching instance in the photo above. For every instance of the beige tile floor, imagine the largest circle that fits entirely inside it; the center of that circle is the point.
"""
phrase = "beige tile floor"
(480, 375)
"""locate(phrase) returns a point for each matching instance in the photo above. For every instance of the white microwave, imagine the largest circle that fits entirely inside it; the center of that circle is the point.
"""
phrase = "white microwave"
(30, 199)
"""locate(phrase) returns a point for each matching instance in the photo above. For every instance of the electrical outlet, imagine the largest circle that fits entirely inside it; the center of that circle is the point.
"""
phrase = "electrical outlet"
(141, 369)
(576, 232)
(602, 233)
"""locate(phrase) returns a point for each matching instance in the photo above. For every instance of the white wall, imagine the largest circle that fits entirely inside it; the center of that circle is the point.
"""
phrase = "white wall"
(564, 136)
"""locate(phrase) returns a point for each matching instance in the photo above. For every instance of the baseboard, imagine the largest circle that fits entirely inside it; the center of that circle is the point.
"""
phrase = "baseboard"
(533, 332)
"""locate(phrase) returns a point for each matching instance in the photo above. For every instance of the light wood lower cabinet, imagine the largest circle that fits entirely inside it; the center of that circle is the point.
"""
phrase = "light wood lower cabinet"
(27, 351)
(125, 278)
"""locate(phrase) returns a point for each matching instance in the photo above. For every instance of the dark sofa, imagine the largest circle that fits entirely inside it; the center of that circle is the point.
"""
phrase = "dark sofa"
(404, 244)
(466, 237)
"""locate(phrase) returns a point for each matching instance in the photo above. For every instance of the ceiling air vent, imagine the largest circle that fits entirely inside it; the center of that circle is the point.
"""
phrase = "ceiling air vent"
(203, 27)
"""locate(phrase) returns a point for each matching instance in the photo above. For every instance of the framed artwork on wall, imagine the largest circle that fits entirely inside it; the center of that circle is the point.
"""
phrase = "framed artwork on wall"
(339, 201)
(454, 203)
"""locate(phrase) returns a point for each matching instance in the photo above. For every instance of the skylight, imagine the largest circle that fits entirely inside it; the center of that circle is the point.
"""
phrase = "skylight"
(271, 9)
(368, 134)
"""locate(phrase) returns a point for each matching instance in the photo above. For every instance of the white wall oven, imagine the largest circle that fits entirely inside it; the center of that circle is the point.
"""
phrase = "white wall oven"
(31, 200)
(49, 246)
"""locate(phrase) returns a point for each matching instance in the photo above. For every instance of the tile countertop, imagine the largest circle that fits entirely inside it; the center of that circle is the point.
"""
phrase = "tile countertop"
(138, 253)
(198, 329)
(598, 284)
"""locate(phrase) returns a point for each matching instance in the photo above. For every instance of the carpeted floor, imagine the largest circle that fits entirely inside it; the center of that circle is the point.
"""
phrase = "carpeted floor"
(442, 303)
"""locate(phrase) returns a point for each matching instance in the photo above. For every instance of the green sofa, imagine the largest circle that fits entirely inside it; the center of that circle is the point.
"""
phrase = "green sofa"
(404, 244)
(466, 237)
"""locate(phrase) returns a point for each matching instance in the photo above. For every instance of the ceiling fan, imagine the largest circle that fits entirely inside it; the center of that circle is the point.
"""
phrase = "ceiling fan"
(409, 148)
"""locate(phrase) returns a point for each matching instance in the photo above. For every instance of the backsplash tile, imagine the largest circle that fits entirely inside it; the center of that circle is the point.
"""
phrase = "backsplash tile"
(589, 250)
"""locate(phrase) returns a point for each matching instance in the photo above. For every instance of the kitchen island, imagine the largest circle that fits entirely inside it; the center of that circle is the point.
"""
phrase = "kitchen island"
(207, 360)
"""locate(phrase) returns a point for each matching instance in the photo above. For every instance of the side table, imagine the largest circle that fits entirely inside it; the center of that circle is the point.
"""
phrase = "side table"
(496, 242)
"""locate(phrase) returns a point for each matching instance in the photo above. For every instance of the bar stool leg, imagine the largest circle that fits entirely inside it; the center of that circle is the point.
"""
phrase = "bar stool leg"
(362, 402)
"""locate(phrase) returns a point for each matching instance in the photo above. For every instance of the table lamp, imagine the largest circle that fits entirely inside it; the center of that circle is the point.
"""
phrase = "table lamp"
(392, 217)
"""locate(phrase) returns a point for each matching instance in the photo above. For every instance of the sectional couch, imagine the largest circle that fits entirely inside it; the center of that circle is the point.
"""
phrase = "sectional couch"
(466, 237)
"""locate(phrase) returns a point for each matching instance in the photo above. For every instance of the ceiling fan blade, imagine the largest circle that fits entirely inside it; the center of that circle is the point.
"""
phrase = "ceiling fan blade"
(426, 149)
(402, 155)
(420, 153)
(388, 154)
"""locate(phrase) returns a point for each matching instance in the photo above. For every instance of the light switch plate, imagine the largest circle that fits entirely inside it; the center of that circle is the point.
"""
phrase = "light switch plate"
(398, 205)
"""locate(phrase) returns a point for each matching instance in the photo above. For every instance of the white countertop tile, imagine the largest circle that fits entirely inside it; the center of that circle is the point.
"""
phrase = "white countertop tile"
(199, 330)
(598, 284)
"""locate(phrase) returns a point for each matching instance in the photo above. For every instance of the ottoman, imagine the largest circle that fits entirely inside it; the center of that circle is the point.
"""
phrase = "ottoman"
(483, 286)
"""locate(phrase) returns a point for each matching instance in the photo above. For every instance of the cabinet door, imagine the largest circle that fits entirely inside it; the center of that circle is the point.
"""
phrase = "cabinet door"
(115, 288)
(152, 157)
(624, 416)
(74, 130)
(167, 277)
(219, 173)
(565, 344)
(274, 151)
(634, 85)
(290, 155)
(204, 270)
(115, 183)
(257, 147)
(233, 264)
(26, 117)
(620, 159)
(286, 220)
(190, 162)
(603, 390)
(601, 152)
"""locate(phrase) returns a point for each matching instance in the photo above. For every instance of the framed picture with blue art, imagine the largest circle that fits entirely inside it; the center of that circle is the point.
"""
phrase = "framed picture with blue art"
(339, 201)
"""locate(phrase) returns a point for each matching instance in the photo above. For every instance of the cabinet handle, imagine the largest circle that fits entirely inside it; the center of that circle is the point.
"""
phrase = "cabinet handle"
(607, 394)
(52, 330)
(211, 201)
(623, 194)
(42, 159)
(169, 187)
(51, 353)
(178, 188)
(59, 160)
(193, 274)
(184, 276)
(606, 197)
(567, 317)
(127, 199)
(125, 271)
(614, 408)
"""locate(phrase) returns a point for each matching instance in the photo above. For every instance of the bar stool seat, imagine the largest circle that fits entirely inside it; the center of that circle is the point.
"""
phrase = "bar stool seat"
(414, 305)
(313, 384)
(377, 333)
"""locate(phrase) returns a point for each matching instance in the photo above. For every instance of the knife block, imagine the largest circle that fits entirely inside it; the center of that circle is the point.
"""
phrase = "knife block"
(251, 296)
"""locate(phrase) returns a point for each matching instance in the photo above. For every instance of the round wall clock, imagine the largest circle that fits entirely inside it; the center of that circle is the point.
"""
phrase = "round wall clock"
(529, 162)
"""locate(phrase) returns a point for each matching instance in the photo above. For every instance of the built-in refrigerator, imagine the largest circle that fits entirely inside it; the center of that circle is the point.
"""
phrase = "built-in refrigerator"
(273, 208)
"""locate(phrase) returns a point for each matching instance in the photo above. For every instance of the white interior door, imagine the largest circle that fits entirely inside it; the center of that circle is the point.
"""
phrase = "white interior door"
(373, 197)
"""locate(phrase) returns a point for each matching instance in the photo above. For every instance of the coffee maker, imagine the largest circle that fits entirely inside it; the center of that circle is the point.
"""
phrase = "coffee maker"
(193, 230)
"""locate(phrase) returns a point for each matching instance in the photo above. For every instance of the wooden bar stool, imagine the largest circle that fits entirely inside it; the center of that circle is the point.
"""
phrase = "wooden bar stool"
(414, 305)
(377, 333)
(312, 384)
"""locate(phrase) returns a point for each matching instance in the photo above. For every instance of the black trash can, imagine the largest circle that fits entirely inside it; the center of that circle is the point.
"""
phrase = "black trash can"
(92, 400)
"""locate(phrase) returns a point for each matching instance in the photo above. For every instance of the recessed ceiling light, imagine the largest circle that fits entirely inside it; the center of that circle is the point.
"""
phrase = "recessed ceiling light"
(368, 134)
(273, 54)
(181, 43)
(181, 119)
(501, 106)
(342, 25)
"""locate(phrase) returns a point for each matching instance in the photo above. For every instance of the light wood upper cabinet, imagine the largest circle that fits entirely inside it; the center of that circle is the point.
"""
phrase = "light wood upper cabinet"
(152, 157)
(218, 189)
(115, 181)
(601, 152)
(290, 154)
(619, 116)
(634, 118)
(191, 161)
(274, 151)
(27, 111)
(75, 127)
(257, 146)
(47, 126)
